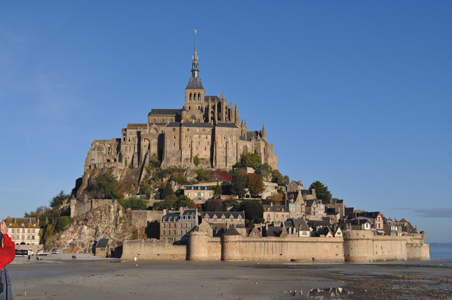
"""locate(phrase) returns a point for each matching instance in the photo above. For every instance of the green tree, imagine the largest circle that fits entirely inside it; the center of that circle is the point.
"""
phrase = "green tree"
(255, 184)
(321, 191)
(184, 201)
(279, 178)
(170, 202)
(196, 160)
(137, 204)
(239, 182)
(231, 202)
(277, 198)
(253, 209)
(218, 190)
(251, 160)
(105, 186)
(167, 191)
(265, 171)
(213, 205)
(145, 189)
(58, 199)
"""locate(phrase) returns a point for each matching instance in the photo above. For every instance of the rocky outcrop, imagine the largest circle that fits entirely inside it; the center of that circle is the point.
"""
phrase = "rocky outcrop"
(105, 222)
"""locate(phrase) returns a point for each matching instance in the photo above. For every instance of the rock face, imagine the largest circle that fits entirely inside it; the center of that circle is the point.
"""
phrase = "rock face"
(105, 222)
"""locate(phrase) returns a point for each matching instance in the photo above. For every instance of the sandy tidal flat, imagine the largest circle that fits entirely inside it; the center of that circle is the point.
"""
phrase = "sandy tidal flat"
(61, 277)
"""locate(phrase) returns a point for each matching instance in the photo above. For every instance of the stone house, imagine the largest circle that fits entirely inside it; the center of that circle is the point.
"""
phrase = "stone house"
(101, 248)
(175, 226)
(275, 213)
(255, 232)
(295, 186)
(297, 228)
(315, 209)
(359, 223)
(224, 218)
(198, 193)
(23, 231)
(375, 218)
(338, 206)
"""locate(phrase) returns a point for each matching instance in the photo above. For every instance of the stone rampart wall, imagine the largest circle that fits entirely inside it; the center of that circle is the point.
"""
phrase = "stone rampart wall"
(355, 246)
(153, 250)
(141, 218)
(283, 249)
(389, 248)
(80, 207)
(363, 246)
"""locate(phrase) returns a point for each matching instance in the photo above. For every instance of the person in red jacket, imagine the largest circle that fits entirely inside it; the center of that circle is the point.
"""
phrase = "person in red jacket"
(7, 249)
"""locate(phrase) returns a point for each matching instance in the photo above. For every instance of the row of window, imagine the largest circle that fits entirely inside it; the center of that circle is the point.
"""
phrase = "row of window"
(174, 232)
(175, 225)
(198, 95)
(23, 230)
(224, 220)
(163, 120)
(22, 237)
(200, 194)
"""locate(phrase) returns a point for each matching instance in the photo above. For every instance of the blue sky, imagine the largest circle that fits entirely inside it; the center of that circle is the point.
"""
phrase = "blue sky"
(356, 94)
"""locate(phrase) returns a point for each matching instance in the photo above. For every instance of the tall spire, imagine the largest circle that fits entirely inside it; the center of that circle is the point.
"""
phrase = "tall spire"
(195, 80)
(194, 67)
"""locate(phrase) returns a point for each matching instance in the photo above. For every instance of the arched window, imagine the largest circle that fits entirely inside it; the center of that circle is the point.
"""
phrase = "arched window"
(199, 96)
(190, 96)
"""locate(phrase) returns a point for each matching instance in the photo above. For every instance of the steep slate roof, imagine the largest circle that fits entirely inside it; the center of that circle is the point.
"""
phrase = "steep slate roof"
(194, 83)
(299, 224)
(232, 231)
(275, 208)
(349, 210)
(310, 202)
(235, 214)
(189, 124)
(212, 98)
(221, 124)
(156, 111)
(367, 214)
(170, 217)
(190, 212)
(102, 243)
(255, 134)
(295, 194)
(313, 223)
(274, 231)
(197, 188)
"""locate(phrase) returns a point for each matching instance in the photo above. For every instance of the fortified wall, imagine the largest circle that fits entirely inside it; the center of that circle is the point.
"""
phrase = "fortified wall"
(355, 246)
(80, 207)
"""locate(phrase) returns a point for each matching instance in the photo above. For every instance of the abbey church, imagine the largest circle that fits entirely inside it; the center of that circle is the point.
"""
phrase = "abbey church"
(205, 129)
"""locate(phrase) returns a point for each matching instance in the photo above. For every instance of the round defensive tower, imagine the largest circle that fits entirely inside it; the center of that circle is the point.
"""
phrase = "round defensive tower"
(231, 241)
(197, 246)
(358, 246)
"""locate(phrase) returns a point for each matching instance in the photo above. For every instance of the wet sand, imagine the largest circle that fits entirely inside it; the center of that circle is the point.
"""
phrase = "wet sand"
(87, 277)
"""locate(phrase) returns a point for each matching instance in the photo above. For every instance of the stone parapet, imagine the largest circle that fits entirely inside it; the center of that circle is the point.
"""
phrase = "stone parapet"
(153, 250)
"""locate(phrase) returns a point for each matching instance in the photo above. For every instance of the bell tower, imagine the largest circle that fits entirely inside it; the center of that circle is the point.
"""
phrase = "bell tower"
(194, 92)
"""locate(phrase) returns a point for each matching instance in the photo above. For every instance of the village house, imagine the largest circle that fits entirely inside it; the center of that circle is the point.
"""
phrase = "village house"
(297, 228)
(199, 193)
(295, 186)
(221, 221)
(175, 226)
(23, 231)
(275, 213)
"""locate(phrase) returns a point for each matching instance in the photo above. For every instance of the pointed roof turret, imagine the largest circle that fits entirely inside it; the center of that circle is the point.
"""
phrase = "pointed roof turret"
(264, 133)
(195, 81)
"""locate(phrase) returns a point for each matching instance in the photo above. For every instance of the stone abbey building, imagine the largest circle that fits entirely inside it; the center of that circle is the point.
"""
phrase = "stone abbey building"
(205, 127)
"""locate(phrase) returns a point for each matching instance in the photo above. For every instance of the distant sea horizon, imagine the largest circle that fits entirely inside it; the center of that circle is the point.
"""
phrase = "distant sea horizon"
(440, 250)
